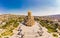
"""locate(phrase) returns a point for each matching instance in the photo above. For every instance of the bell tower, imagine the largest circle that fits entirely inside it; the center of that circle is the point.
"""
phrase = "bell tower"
(29, 13)
(30, 19)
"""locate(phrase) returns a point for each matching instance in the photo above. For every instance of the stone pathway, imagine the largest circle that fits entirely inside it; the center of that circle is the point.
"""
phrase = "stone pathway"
(31, 32)
(36, 31)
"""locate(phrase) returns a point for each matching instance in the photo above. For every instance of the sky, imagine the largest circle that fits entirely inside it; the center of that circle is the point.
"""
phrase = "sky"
(37, 7)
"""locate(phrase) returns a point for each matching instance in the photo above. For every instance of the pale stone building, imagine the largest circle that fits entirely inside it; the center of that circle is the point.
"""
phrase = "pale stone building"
(29, 20)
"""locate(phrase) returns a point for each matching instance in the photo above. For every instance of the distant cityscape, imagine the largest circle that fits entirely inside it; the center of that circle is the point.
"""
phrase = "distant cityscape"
(29, 26)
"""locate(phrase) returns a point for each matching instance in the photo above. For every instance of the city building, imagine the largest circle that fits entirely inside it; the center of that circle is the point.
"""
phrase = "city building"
(29, 20)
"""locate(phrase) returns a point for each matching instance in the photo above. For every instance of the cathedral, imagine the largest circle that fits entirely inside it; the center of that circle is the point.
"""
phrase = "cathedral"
(29, 20)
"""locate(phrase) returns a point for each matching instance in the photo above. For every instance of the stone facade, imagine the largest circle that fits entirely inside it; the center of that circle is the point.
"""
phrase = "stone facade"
(29, 21)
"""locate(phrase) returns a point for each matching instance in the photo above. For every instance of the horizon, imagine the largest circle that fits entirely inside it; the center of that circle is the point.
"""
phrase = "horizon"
(38, 7)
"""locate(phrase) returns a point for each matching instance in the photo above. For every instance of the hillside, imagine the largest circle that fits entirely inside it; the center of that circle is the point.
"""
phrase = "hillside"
(9, 24)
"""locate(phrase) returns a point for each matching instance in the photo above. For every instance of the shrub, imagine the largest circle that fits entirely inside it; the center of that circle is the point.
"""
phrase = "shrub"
(55, 35)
